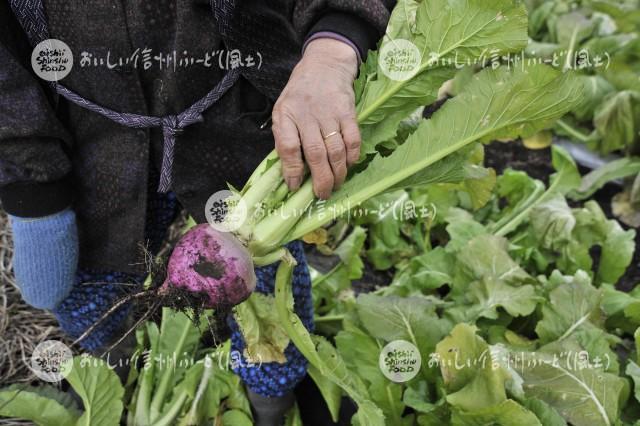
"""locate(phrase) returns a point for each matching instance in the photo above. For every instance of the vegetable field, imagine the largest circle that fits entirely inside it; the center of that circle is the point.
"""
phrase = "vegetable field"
(490, 223)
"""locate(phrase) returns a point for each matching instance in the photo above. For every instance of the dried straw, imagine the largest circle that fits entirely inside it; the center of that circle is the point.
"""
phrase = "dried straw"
(21, 327)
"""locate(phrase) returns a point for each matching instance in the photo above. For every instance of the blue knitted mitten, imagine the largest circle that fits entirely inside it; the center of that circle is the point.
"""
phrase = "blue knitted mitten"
(274, 379)
(45, 257)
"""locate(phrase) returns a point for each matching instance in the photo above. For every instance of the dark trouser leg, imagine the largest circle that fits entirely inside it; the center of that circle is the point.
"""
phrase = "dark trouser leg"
(270, 384)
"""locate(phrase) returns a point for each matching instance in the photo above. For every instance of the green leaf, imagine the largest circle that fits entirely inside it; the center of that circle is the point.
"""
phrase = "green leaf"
(583, 396)
(505, 104)
(472, 381)
(43, 405)
(100, 390)
(565, 179)
(617, 245)
(147, 377)
(572, 28)
(486, 256)
(361, 353)
(392, 318)
(596, 179)
(506, 413)
(236, 418)
(516, 187)
(349, 252)
(547, 414)
(479, 185)
(462, 228)
(195, 393)
(441, 30)
(489, 294)
(428, 271)
(178, 338)
(553, 222)
(573, 305)
(416, 397)
(328, 287)
(265, 337)
(319, 352)
(633, 371)
(595, 90)
(538, 17)
(330, 391)
(625, 12)
(617, 121)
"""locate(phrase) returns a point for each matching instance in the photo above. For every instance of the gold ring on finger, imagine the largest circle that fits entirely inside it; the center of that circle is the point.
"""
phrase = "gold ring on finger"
(330, 134)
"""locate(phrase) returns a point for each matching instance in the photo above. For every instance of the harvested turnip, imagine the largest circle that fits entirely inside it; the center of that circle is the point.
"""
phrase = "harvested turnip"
(210, 263)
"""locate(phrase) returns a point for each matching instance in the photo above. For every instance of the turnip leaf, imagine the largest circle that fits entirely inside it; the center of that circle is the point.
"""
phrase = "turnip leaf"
(43, 405)
(264, 336)
(505, 104)
(319, 352)
(447, 34)
(100, 390)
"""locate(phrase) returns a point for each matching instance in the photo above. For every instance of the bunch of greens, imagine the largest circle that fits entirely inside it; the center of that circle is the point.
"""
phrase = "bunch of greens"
(177, 382)
(497, 103)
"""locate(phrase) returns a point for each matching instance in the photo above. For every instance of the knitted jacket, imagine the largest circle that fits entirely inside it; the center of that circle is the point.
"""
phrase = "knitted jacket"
(54, 153)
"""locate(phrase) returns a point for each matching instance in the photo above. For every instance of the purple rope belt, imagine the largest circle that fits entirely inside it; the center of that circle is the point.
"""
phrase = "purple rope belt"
(30, 14)
(171, 124)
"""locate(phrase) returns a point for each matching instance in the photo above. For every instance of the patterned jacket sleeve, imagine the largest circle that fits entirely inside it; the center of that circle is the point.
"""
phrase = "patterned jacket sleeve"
(361, 21)
(34, 162)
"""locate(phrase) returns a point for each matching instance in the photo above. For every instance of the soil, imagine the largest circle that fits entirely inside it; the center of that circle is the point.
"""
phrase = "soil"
(371, 279)
(501, 156)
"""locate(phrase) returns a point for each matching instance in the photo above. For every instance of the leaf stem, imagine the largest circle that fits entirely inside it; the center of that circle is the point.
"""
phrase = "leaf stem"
(329, 318)
(572, 131)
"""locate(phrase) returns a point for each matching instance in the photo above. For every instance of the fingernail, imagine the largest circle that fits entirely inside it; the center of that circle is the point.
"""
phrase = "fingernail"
(294, 183)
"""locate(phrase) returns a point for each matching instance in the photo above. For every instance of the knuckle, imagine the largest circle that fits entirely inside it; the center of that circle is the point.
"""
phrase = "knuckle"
(336, 153)
(292, 169)
(353, 144)
(288, 150)
(314, 153)
(282, 110)
(276, 113)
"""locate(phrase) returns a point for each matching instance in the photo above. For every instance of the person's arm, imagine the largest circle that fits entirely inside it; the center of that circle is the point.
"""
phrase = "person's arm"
(34, 175)
(360, 26)
(314, 120)
(33, 161)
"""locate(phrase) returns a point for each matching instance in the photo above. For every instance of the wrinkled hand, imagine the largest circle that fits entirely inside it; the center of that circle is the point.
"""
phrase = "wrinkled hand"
(318, 101)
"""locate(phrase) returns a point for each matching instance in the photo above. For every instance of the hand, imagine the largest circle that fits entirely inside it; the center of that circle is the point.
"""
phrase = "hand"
(318, 101)
(45, 257)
